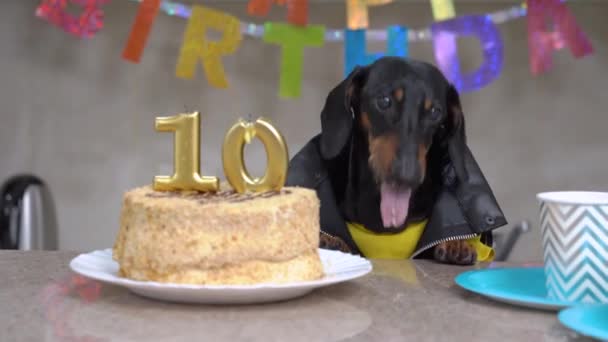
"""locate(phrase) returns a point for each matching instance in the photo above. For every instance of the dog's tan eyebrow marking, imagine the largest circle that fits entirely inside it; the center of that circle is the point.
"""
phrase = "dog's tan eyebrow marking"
(350, 90)
(428, 104)
(422, 151)
(365, 121)
(399, 92)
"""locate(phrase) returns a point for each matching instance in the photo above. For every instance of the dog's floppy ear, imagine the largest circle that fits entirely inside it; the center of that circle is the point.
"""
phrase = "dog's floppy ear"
(337, 115)
(456, 138)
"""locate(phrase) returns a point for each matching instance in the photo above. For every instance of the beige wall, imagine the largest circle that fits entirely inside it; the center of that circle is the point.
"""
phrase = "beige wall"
(82, 118)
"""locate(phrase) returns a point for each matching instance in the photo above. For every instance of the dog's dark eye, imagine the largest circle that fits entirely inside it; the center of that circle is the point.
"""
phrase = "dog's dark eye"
(384, 102)
(435, 113)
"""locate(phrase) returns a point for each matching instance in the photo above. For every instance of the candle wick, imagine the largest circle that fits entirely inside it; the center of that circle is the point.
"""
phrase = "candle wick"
(250, 117)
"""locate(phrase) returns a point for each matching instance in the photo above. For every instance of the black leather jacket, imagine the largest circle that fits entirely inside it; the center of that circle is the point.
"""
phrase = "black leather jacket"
(462, 210)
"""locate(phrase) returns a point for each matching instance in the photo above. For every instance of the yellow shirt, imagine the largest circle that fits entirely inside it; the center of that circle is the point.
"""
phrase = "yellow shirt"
(403, 244)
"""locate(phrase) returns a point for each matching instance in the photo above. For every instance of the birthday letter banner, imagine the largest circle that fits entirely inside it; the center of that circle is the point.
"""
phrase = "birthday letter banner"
(199, 53)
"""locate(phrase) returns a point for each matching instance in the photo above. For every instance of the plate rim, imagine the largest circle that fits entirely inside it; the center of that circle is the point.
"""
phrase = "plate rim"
(566, 318)
(107, 277)
(463, 280)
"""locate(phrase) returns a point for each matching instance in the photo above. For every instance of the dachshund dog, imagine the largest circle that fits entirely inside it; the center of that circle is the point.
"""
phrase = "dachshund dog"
(392, 141)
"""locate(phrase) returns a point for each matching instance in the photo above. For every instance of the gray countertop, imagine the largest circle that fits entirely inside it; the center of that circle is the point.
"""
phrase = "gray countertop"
(400, 301)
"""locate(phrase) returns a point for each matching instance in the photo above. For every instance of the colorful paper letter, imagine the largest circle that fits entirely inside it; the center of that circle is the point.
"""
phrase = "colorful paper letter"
(297, 10)
(542, 43)
(356, 12)
(86, 25)
(446, 52)
(141, 30)
(443, 9)
(355, 50)
(292, 39)
(198, 46)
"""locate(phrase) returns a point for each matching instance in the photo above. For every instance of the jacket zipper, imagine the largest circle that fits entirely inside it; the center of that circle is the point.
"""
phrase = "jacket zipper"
(427, 246)
(435, 243)
(324, 233)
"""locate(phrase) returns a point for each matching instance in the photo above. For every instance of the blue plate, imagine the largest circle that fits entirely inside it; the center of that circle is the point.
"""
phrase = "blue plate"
(522, 286)
(588, 320)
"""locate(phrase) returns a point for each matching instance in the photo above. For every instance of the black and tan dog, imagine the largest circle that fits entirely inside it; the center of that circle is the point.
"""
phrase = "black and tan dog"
(392, 169)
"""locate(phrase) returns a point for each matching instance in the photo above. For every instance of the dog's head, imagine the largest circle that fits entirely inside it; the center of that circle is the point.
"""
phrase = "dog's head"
(404, 108)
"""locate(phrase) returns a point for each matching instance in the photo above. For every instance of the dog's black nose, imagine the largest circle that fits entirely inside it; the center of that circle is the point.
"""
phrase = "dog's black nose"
(406, 171)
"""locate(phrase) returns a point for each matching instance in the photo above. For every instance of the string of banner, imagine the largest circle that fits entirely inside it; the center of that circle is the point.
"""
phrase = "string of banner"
(296, 35)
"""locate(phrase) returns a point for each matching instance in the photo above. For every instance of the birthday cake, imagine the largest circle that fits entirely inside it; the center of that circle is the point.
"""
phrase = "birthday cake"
(224, 237)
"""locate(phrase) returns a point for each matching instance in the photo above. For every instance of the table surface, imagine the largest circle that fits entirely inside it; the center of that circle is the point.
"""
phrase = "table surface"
(399, 301)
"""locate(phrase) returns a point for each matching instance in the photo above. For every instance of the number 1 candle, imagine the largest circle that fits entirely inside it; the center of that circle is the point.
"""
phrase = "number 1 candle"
(186, 147)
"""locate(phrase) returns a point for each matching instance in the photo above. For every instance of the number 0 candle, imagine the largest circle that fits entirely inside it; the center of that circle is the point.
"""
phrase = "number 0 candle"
(243, 132)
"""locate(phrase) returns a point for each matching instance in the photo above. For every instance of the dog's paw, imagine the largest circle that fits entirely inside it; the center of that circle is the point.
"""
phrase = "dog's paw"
(456, 252)
(334, 243)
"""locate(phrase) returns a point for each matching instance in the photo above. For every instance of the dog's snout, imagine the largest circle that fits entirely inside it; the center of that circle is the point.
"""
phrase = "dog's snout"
(406, 169)
(406, 172)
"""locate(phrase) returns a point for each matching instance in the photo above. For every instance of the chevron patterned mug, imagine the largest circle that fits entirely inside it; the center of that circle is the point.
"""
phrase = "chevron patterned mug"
(574, 229)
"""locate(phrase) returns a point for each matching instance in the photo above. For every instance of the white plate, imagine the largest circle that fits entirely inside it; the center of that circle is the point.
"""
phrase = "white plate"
(338, 267)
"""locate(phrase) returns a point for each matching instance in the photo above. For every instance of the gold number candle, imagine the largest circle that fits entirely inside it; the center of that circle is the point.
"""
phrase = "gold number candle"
(186, 155)
(243, 132)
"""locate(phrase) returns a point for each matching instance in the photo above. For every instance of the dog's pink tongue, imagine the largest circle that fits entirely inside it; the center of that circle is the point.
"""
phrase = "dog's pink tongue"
(394, 204)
